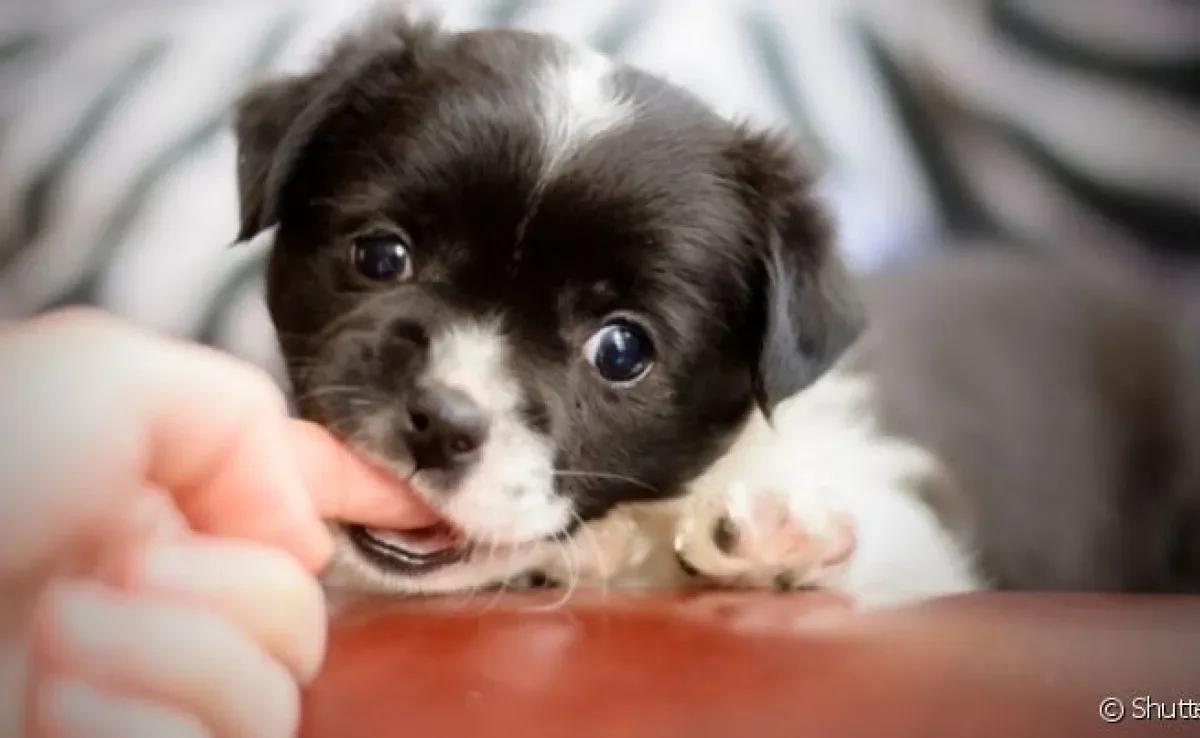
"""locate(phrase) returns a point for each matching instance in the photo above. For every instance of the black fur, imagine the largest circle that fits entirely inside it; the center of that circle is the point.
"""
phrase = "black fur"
(701, 230)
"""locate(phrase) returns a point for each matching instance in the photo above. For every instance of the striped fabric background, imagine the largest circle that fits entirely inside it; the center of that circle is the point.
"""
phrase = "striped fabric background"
(1061, 123)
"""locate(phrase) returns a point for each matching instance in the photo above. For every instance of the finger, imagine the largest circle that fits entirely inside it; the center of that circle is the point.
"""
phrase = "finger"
(99, 407)
(346, 487)
(186, 659)
(69, 708)
(259, 589)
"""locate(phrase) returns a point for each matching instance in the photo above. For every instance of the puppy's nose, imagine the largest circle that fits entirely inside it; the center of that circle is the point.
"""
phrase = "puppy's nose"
(446, 428)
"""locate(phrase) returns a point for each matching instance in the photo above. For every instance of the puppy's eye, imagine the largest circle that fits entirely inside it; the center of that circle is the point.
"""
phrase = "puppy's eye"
(383, 257)
(621, 352)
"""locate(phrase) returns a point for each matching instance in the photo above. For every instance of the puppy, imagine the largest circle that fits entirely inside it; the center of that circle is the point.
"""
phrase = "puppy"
(539, 285)
(1007, 421)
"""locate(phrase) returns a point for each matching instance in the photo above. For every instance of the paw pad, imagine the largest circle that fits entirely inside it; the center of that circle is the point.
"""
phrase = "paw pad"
(758, 538)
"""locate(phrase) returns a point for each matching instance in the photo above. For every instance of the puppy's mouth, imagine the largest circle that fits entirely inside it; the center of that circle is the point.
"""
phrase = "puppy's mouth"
(417, 551)
(424, 550)
(385, 542)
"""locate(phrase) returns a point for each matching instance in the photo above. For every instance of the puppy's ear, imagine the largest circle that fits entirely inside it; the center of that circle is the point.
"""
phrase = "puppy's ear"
(265, 121)
(275, 121)
(808, 311)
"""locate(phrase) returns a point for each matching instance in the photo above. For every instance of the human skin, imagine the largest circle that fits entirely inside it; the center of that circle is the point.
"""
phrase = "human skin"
(161, 531)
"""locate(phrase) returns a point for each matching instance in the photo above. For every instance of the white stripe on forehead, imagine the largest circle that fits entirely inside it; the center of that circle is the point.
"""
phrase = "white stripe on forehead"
(470, 357)
(576, 102)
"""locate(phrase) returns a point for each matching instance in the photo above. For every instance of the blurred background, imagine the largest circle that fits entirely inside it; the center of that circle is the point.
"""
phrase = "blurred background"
(1045, 124)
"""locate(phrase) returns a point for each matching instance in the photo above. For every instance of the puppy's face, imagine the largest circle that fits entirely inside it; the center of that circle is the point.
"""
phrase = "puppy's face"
(535, 284)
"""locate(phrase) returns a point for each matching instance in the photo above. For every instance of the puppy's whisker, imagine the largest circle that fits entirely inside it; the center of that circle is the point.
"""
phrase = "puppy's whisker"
(330, 391)
(493, 543)
(586, 533)
(300, 359)
(347, 429)
(505, 582)
(479, 586)
(606, 475)
(573, 570)
(564, 548)
(334, 388)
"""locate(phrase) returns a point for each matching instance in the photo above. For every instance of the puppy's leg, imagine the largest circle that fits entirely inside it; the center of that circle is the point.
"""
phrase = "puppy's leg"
(822, 500)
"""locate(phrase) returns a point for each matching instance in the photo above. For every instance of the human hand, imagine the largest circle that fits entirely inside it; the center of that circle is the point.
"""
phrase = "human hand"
(160, 531)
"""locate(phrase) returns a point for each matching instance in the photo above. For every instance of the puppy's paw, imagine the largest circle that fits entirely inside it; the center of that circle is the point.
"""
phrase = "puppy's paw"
(760, 534)
(822, 499)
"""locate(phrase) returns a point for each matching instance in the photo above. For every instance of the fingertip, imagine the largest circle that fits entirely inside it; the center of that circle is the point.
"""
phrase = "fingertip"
(259, 493)
(344, 486)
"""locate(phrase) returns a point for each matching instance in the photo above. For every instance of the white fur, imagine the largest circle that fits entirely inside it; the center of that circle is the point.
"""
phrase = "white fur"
(508, 495)
(826, 458)
(470, 357)
(575, 103)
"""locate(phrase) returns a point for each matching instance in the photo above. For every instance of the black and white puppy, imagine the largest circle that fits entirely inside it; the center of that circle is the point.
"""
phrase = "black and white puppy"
(538, 284)
(605, 334)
